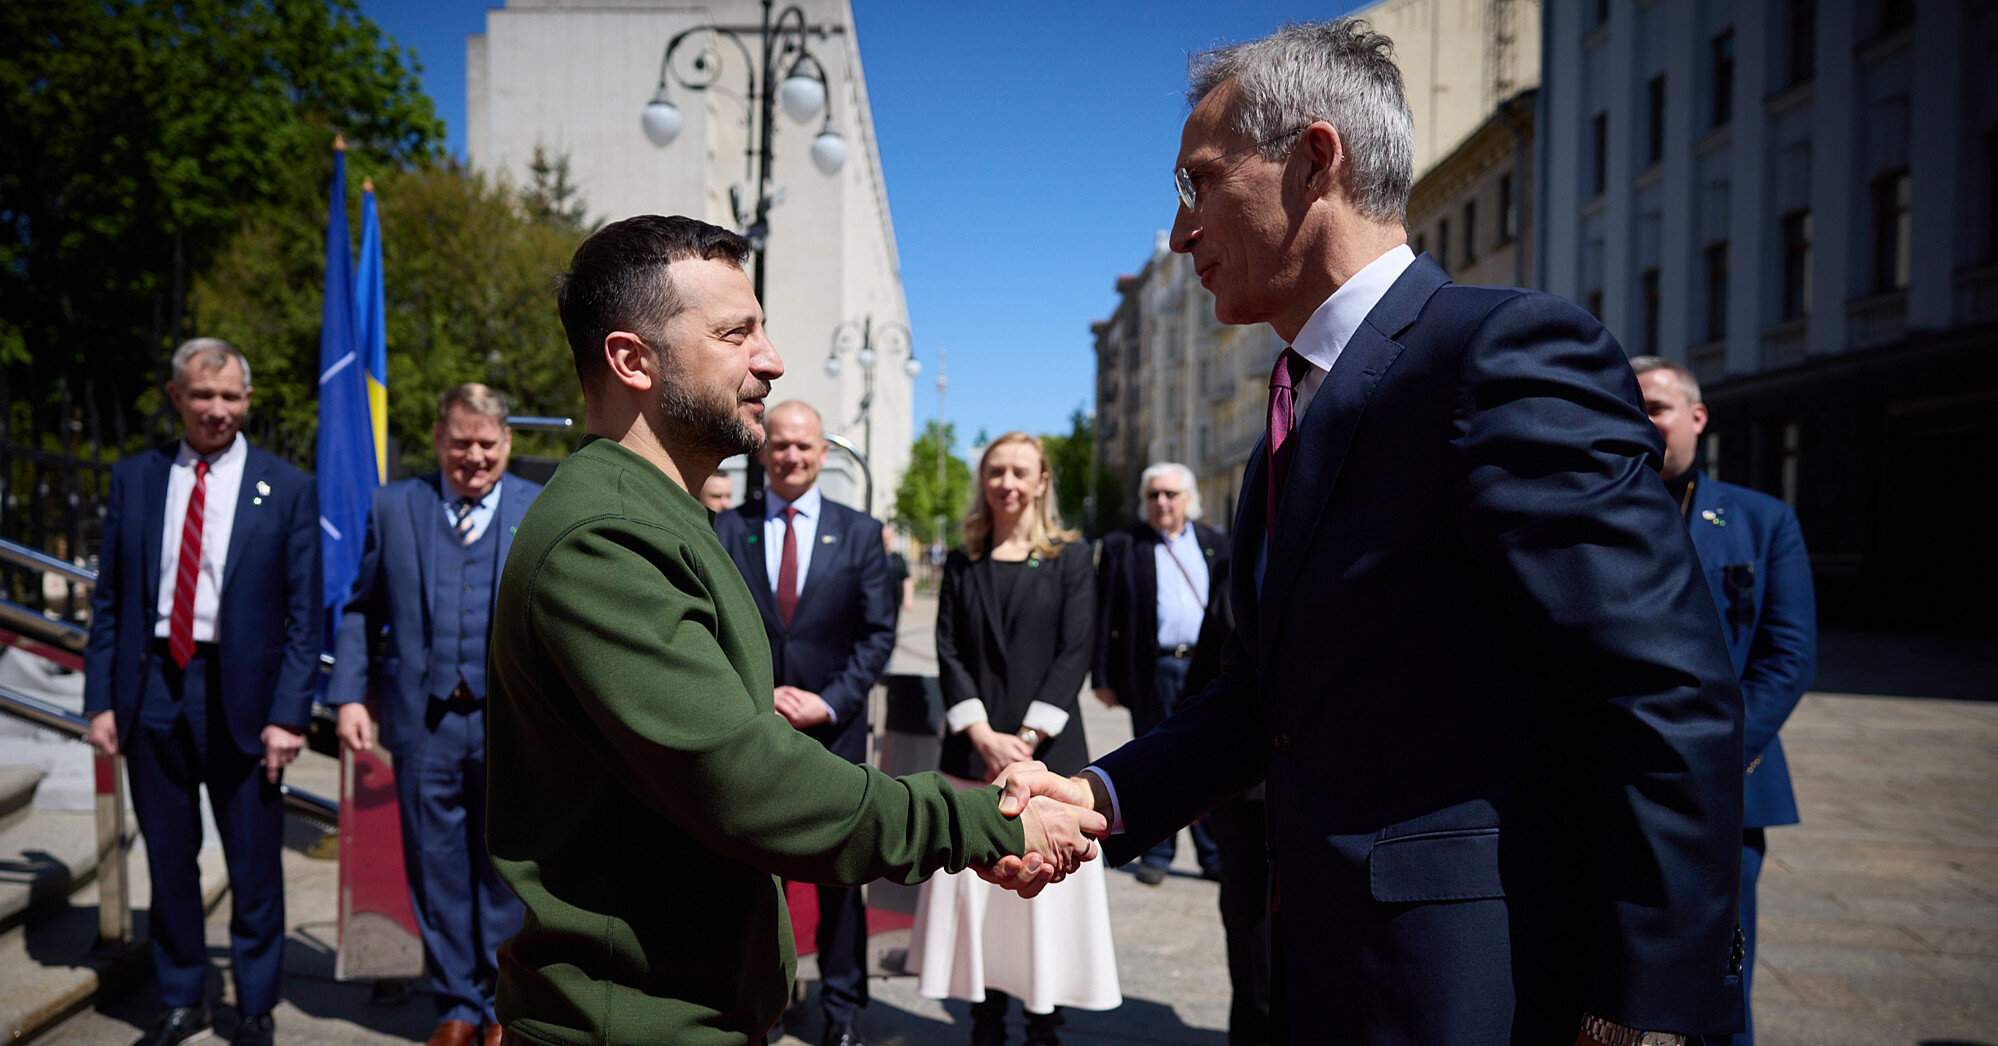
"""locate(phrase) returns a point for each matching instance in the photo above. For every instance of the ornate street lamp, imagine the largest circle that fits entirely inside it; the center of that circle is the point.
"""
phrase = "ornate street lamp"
(859, 340)
(788, 76)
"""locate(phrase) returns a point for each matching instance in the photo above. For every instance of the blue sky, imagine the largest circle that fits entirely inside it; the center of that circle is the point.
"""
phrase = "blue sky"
(1028, 152)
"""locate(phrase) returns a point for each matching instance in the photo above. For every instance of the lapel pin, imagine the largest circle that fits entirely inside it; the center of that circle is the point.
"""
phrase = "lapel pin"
(512, 530)
(827, 539)
(752, 539)
(1033, 561)
(256, 501)
(263, 488)
(1715, 516)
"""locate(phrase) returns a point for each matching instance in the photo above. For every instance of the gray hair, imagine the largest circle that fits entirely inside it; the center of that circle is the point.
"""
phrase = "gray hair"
(1690, 384)
(1186, 483)
(210, 352)
(479, 399)
(1341, 72)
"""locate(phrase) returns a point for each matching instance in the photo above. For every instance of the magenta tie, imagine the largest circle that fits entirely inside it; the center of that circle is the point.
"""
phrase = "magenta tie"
(1283, 403)
(787, 570)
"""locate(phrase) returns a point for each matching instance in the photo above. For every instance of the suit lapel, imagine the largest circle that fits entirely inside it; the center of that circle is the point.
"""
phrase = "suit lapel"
(426, 499)
(512, 506)
(256, 469)
(1709, 535)
(153, 535)
(748, 552)
(989, 602)
(1145, 583)
(823, 553)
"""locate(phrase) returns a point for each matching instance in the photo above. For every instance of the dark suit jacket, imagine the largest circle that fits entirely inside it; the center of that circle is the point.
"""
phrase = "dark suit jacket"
(1127, 607)
(1480, 667)
(384, 631)
(1043, 656)
(270, 625)
(1753, 554)
(843, 630)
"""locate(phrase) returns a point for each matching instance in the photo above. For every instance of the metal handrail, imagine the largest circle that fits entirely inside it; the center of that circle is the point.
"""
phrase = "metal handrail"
(35, 559)
(41, 628)
(43, 714)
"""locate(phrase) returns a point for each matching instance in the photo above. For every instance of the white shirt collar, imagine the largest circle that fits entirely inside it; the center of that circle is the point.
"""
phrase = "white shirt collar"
(1326, 333)
(237, 449)
(807, 503)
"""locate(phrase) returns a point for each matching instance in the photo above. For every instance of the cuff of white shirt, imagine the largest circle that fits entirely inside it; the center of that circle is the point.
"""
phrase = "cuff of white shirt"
(1116, 810)
(1046, 718)
(962, 715)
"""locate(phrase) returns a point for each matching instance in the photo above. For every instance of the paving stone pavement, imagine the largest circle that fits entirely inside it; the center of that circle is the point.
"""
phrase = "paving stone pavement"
(1880, 911)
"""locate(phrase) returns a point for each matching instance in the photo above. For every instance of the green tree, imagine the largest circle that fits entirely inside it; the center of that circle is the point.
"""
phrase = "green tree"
(139, 134)
(469, 286)
(920, 501)
(550, 196)
(1072, 456)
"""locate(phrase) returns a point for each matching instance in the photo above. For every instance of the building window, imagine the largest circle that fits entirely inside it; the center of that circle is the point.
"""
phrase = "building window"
(1421, 244)
(1712, 452)
(1654, 131)
(1891, 231)
(1896, 14)
(1470, 231)
(1602, 13)
(1716, 280)
(1803, 40)
(1649, 337)
(1796, 264)
(1991, 193)
(1723, 58)
(1508, 227)
(1594, 303)
(1443, 243)
(1792, 453)
(1598, 154)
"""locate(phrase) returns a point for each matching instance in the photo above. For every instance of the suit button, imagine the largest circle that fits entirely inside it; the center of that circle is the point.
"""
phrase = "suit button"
(1280, 742)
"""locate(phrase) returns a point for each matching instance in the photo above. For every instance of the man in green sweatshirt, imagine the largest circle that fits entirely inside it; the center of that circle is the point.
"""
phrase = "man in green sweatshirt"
(644, 794)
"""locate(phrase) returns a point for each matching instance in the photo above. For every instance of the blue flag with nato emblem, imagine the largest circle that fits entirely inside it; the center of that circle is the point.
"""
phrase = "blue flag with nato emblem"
(371, 326)
(346, 452)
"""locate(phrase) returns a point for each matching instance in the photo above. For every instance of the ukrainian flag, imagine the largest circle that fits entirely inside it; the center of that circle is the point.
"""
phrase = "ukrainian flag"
(346, 446)
(371, 326)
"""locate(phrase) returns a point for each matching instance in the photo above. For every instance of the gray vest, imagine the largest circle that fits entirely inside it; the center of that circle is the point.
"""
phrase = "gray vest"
(462, 609)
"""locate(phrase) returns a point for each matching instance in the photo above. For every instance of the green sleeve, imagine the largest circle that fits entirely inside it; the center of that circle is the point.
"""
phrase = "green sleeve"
(631, 625)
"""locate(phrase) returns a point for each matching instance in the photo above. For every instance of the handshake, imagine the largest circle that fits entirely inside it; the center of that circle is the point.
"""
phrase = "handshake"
(1062, 823)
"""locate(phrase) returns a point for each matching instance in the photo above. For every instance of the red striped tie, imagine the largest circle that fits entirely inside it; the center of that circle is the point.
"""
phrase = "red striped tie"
(180, 630)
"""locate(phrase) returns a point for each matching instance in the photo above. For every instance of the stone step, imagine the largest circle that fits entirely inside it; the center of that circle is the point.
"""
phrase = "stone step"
(17, 790)
(44, 856)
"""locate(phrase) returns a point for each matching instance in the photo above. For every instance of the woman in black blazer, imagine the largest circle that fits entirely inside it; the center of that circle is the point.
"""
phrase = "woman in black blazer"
(1014, 621)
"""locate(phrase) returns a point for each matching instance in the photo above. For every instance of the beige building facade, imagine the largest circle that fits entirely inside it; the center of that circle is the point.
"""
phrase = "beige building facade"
(1473, 211)
(573, 76)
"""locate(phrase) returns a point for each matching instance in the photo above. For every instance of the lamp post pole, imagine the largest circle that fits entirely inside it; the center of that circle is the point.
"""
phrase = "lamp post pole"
(860, 339)
(943, 451)
(784, 39)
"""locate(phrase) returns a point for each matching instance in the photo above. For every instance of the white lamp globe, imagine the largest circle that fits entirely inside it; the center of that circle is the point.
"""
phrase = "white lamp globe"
(912, 366)
(801, 96)
(828, 152)
(832, 366)
(661, 121)
(865, 357)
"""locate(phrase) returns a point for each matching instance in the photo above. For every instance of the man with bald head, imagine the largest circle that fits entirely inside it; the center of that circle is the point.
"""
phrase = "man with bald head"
(819, 575)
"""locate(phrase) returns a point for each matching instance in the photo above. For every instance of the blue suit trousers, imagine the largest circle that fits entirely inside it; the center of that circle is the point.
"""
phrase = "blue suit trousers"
(1169, 688)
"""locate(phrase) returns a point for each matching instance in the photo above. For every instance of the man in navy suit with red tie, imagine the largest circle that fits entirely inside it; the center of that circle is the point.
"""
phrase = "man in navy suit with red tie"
(1473, 656)
(819, 574)
(205, 633)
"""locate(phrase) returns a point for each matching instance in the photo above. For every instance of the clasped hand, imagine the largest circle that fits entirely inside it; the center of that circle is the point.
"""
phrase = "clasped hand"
(1061, 823)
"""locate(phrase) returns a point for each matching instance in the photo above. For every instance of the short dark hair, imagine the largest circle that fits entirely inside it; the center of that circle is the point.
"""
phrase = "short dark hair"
(617, 280)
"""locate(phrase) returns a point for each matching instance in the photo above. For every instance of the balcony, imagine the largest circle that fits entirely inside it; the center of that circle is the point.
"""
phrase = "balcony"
(1881, 319)
(1785, 344)
(1976, 299)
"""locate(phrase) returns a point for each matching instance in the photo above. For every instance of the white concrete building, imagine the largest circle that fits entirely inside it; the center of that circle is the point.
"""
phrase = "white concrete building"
(1799, 199)
(572, 76)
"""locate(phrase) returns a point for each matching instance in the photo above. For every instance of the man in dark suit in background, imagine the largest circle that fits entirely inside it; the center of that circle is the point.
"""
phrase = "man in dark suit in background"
(422, 605)
(204, 646)
(1752, 551)
(820, 577)
(1473, 655)
(1156, 583)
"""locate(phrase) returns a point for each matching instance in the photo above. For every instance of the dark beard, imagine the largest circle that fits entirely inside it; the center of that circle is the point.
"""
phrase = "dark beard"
(703, 423)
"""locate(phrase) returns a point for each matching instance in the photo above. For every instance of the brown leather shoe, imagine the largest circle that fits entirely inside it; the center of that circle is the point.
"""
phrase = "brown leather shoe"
(452, 1033)
(493, 1034)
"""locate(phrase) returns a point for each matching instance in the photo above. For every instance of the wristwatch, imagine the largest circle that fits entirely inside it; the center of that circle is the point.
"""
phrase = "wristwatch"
(1032, 736)
(1610, 1033)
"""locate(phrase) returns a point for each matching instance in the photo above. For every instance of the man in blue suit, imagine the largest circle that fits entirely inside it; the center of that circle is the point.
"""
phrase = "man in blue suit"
(1473, 655)
(204, 651)
(1752, 552)
(819, 574)
(416, 627)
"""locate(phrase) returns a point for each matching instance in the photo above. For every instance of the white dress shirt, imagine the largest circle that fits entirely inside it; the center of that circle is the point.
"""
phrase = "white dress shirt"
(218, 520)
(1322, 339)
(483, 510)
(1181, 607)
(805, 528)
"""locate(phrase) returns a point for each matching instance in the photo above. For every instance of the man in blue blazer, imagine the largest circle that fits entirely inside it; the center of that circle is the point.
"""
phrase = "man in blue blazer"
(819, 574)
(1473, 655)
(202, 662)
(415, 628)
(1752, 552)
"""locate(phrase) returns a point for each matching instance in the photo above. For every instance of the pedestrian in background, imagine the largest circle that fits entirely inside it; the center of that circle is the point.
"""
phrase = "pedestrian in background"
(1156, 582)
(1752, 552)
(717, 492)
(210, 553)
(422, 602)
(1013, 640)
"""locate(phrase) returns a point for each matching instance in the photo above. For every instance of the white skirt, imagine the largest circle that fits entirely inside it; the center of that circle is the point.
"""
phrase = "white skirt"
(1053, 950)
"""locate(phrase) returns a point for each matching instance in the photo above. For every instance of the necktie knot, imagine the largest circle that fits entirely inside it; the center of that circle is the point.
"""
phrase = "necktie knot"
(464, 507)
(200, 469)
(1289, 367)
(790, 514)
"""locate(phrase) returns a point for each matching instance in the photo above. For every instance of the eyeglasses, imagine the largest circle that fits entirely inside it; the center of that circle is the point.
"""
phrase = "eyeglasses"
(1169, 495)
(1189, 190)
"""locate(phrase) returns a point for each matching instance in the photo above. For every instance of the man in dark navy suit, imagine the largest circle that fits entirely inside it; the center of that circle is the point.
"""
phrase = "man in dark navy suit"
(204, 650)
(1473, 655)
(1752, 551)
(422, 604)
(819, 574)
(1157, 582)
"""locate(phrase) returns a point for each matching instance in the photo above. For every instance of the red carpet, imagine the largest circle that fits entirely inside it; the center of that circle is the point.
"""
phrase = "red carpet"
(804, 901)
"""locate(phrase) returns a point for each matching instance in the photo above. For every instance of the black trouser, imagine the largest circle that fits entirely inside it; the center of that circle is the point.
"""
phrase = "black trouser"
(842, 944)
(1238, 828)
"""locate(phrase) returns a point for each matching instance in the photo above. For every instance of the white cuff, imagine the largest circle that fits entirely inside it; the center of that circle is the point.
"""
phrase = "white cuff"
(1116, 811)
(1046, 718)
(962, 715)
